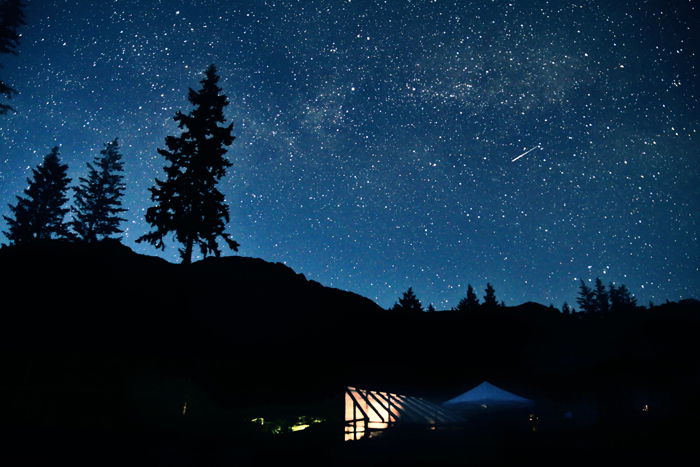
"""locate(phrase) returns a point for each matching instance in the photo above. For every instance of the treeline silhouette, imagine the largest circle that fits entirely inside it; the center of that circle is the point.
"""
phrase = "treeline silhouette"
(250, 330)
(593, 301)
(102, 344)
(41, 213)
(187, 204)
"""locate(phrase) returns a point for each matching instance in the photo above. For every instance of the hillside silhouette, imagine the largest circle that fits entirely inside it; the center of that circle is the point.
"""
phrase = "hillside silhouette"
(98, 339)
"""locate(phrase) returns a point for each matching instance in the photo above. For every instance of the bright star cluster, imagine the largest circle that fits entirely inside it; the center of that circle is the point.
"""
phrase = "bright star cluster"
(375, 139)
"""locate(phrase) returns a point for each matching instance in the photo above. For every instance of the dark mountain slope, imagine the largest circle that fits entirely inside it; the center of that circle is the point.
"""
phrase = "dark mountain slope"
(97, 334)
(66, 293)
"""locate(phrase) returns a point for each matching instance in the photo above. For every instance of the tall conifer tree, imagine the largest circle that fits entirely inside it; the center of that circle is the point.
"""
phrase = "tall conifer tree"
(602, 298)
(566, 310)
(490, 297)
(408, 302)
(188, 204)
(40, 214)
(621, 299)
(98, 197)
(470, 302)
(586, 298)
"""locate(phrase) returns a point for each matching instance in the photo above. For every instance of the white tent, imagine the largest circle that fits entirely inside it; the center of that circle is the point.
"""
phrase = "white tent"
(486, 394)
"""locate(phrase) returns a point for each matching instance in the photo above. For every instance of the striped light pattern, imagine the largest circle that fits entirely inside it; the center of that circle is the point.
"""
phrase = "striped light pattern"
(369, 413)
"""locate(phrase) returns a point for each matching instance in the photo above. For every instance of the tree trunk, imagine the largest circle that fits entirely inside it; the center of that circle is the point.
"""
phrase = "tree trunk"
(187, 259)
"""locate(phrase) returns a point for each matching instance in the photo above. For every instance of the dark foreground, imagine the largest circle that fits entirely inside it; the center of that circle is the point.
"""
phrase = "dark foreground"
(100, 350)
(631, 445)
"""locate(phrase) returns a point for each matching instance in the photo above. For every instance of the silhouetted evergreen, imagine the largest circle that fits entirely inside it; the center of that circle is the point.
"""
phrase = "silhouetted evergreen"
(490, 297)
(408, 302)
(470, 302)
(565, 309)
(586, 299)
(98, 197)
(621, 299)
(11, 18)
(614, 297)
(602, 300)
(188, 204)
(39, 215)
(431, 308)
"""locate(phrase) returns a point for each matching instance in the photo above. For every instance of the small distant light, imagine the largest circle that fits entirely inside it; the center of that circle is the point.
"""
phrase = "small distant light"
(184, 408)
(645, 408)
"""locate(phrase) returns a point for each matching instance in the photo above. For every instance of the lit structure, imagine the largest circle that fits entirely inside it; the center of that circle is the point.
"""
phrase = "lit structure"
(487, 406)
(486, 394)
(369, 413)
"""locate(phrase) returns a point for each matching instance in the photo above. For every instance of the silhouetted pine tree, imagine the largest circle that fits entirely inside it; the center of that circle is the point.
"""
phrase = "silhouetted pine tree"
(602, 299)
(431, 308)
(614, 300)
(470, 302)
(188, 204)
(39, 215)
(628, 300)
(565, 309)
(408, 302)
(11, 18)
(586, 299)
(98, 197)
(621, 299)
(490, 297)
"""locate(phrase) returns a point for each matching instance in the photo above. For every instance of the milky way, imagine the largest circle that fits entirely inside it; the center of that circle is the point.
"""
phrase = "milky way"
(375, 139)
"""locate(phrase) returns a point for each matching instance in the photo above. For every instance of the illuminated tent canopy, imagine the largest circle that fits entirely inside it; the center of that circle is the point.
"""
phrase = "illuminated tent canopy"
(486, 394)
(369, 413)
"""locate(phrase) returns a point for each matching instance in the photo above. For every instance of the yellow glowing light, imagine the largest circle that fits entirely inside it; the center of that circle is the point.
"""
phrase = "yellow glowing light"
(299, 427)
(361, 417)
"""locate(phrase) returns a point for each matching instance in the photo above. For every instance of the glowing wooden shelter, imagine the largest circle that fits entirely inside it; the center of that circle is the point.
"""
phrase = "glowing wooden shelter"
(370, 413)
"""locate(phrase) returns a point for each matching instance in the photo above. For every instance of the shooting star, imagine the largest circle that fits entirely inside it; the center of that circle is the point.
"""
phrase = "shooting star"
(526, 153)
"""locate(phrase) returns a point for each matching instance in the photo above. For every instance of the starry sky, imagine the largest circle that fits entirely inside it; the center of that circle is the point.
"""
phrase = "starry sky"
(375, 139)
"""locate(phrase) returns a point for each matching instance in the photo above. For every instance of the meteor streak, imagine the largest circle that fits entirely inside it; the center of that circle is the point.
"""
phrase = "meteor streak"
(525, 153)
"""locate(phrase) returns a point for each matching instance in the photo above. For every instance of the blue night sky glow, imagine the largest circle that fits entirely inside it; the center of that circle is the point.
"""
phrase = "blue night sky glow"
(375, 139)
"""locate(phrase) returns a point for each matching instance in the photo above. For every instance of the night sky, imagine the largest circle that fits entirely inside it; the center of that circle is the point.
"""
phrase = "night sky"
(375, 139)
